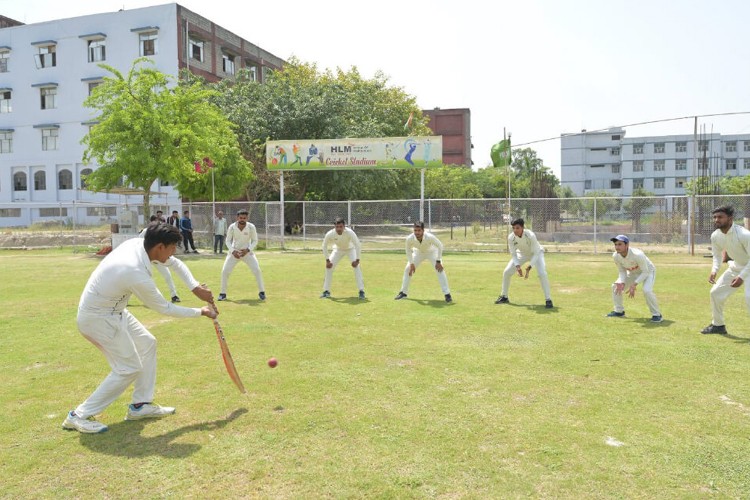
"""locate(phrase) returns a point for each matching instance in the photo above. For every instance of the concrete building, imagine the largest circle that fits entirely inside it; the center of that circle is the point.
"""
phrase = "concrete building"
(608, 161)
(455, 127)
(48, 69)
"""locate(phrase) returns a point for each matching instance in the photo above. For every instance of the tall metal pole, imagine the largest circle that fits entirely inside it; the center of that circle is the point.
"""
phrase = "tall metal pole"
(691, 213)
(421, 198)
(213, 195)
(281, 211)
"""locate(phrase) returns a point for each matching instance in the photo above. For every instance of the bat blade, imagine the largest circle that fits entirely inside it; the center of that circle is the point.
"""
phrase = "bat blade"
(228, 361)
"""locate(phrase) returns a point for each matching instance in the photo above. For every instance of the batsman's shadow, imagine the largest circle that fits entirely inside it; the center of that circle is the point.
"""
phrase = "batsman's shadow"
(124, 439)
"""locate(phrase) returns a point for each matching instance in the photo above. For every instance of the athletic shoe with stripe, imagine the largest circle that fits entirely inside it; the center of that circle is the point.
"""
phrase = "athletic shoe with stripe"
(85, 425)
(149, 410)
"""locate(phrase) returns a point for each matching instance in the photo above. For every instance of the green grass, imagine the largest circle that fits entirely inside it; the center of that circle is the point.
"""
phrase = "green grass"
(387, 399)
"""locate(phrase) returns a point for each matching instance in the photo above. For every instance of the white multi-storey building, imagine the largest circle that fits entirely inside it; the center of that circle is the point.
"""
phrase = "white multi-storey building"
(48, 69)
(606, 161)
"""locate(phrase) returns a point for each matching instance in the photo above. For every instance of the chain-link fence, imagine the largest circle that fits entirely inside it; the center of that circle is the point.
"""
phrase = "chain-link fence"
(565, 225)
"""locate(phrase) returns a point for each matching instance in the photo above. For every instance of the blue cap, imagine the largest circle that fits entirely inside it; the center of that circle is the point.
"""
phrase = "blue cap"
(620, 237)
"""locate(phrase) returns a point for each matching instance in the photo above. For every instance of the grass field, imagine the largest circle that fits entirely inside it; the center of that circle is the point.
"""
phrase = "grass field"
(386, 399)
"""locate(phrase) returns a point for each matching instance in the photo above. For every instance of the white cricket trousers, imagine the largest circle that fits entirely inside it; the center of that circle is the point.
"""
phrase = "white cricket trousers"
(335, 257)
(721, 291)
(252, 262)
(418, 257)
(541, 271)
(130, 350)
(167, 275)
(648, 291)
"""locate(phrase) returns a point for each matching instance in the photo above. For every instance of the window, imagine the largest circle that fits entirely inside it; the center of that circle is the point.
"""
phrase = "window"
(615, 184)
(616, 168)
(731, 164)
(252, 71)
(40, 180)
(680, 165)
(49, 139)
(615, 152)
(84, 173)
(196, 50)
(616, 137)
(637, 184)
(598, 165)
(658, 165)
(101, 211)
(5, 106)
(598, 149)
(587, 184)
(227, 61)
(638, 166)
(746, 163)
(97, 50)
(46, 57)
(64, 179)
(680, 182)
(6, 141)
(658, 147)
(19, 181)
(731, 146)
(10, 212)
(703, 146)
(637, 149)
(53, 212)
(681, 147)
(93, 85)
(48, 97)
(747, 145)
(266, 73)
(148, 43)
(4, 58)
(658, 182)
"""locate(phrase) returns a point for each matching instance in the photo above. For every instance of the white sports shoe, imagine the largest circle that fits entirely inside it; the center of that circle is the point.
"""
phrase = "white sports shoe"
(149, 410)
(85, 425)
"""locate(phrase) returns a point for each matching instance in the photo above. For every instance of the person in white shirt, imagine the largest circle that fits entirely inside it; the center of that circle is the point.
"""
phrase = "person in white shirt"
(164, 268)
(220, 231)
(345, 242)
(130, 349)
(422, 246)
(633, 268)
(242, 238)
(524, 247)
(734, 240)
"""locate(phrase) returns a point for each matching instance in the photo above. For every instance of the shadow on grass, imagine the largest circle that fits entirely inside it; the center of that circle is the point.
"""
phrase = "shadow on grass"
(647, 323)
(431, 303)
(739, 340)
(539, 309)
(349, 300)
(124, 439)
(247, 302)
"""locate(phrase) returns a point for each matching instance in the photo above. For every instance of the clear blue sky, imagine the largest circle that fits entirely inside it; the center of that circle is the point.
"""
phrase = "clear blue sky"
(536, 67)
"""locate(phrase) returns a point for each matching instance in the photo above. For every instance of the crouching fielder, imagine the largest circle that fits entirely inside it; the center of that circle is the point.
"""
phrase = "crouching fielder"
(423, 246)
(524, 247)
(242, 238)
(634, 268)
(345, 242)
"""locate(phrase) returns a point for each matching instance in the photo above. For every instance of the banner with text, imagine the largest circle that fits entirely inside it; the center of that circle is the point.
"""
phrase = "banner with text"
(350, 154)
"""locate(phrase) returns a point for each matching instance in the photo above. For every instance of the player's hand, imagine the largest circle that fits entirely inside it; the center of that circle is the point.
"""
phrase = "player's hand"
(526, 275)
(712, 278)
(519, 271)
(355, 263)
(209, 312)
(439, 267)
(412, 269)
(631, 291)
(329, 264)
(203, 293)
(619, 288)
(737, 282)
(236, 254)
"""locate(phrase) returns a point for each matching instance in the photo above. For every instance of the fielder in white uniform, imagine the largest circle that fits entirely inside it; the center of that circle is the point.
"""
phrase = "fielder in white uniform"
(345, 242)
(423, 246)
(634, 268)
(129, 347)
(735, 241)
(242, 238)
(524, 247)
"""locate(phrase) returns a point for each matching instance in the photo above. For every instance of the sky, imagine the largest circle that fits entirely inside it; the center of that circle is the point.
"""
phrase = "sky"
(536, 68)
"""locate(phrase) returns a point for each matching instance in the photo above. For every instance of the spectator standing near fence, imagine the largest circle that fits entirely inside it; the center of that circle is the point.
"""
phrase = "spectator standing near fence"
(524, 248)
(344, 242)
(242, 238)
(422, 246)
(220, 231)
(186, 226)
(734, 240)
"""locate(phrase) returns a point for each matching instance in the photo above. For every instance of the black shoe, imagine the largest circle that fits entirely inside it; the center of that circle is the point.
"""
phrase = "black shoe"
(361, 295)
(325, 295)
(548, 304)
(175, 299)
(401, 295)
(448, 298)
(615, 314)
(222, 296)
(262, 295)
(195, 251)
(715, 329)
(502, 300)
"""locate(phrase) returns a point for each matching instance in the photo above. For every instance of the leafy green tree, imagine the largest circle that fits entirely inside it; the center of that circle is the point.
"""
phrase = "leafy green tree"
(639, 202)
(451, 182)
(604, 200)
(148, 129)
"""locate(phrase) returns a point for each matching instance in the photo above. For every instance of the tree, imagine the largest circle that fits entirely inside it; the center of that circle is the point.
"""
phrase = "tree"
(640, 201)
(149, 129)
(300, 102)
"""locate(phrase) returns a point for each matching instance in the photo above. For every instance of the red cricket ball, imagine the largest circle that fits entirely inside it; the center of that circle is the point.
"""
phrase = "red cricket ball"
(272, 362)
